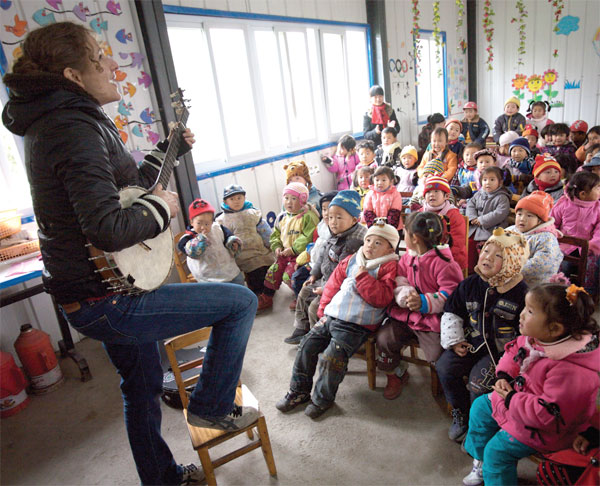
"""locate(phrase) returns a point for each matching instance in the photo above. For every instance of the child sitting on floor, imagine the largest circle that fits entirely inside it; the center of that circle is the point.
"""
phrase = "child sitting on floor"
(474, 128)
(480, 317)
(352, 307)
(346, 235)
(383, 200)
(406, 172)
(533, 221)
(246, 222)
(546, 389)
(388, 153)
(510, 120)
(546, 177)
(343, 162)
(293, 230)
(427, 275)
(210, 247)
(440, 151)
(363, 178)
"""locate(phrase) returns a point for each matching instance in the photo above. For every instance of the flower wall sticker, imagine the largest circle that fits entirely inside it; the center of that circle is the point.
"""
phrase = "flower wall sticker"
(534, 84)
(519, 82)
(550, 77)
(488, 13)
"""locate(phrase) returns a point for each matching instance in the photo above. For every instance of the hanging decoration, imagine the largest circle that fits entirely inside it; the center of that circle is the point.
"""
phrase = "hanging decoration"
(558, 6)
(416, 35)
(459, 23)
(522, 15)
(436, 36)
(488, 13)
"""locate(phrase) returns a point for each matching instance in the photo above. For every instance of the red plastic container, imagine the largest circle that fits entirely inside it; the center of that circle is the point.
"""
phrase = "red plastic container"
(37, 355)
(13, 396)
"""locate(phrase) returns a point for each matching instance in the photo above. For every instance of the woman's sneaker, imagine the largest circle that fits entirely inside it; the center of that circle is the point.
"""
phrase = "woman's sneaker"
(291, 400)
(458, 429)
(238, 418)
(475, 477)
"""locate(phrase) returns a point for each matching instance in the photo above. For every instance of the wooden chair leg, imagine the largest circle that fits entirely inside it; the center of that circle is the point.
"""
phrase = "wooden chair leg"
(371, 366)
(250, 433)
(209, 471)
(436, 386)
(266, 445)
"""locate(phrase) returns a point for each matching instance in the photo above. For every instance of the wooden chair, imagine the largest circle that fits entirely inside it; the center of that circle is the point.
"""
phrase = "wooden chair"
(204, 439)
(180, 262)
(367, 353)
(413, 347)
(581, 260)
(513, 204)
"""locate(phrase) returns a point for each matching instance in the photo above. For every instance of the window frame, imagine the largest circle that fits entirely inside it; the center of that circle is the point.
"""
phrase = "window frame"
(444, 75)
(256, 22)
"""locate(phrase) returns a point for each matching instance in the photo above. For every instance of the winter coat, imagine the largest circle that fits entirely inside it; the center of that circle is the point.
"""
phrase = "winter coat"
(490, 209)
(506, 123)
(244, 224)
(545, 256)
(76, 163)
(475, 310)
(335, 249)
(476, 131)
(360, 299)
(538, 123)
(363, 193)
(450, 162)
(580, 219)
(343, 168)
(556, 191)
(407, 179)
(433, 278)
(369, 128)
(294, 230)
(323, 235)
(555, 391)
(386, 204)
(567, 149)
(457, 229)
(466, 174)
(457, 147)
(388, 156)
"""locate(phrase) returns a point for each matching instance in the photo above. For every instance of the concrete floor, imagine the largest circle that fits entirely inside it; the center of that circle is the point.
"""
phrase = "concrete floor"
(76, 436)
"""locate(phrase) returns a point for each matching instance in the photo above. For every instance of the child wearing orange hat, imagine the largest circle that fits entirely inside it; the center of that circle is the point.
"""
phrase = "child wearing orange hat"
(546, 177)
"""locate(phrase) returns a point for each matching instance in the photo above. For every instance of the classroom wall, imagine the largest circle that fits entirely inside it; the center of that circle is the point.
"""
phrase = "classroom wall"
(576, 91)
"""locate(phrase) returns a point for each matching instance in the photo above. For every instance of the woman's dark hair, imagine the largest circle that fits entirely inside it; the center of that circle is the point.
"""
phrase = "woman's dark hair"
(389, 130)
(544, 104)
(435, 118)
(384, 171)
(582, 181)
(376, 90)
(476, 145)
(366, 144)
(431, 228)
(55, 47)
(347, 141)
(547, 130)
(567, 163)
(360, 170)
(561, 128)
(576, 318)
(497, 171)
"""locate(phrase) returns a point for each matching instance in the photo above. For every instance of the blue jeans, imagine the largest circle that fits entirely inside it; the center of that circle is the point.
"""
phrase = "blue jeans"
(131, 326)
(499, 450)
(338, 340)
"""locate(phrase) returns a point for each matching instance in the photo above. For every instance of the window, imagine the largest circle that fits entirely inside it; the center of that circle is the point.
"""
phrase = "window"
(431, 81)
(264, 88)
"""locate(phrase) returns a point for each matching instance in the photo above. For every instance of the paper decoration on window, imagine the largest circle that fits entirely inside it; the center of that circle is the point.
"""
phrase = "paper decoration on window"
(42, 17)
(567, 24)
(124, 37)
(19, 28)
(488, 13)
(145, 80)
(5, 4)
(148, 116)
(125, 109)
(521, 16)
(98, 26)
(129, 89)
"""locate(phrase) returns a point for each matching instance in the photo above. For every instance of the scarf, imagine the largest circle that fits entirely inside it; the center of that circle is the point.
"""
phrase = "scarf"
(534, 355)
(227, 209)
(543, 185)
(375, 262)
(380, 115)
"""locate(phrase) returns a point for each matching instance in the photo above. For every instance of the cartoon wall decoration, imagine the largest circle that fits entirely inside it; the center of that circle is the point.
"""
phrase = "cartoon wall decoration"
(457, 83)
(111, 23)
(567, 24)
(535, 84)
(572, 84)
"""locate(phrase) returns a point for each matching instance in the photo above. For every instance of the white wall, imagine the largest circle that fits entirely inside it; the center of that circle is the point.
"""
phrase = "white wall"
(578, 60)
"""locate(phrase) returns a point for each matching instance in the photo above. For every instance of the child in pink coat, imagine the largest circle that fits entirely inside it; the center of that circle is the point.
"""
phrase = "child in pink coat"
(383, 200)
(343, 162)
(546, 387)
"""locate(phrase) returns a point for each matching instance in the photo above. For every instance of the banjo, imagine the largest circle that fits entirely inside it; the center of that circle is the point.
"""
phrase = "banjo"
(147, 265)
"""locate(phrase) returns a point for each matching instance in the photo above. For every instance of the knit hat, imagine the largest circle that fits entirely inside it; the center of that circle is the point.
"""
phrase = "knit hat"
(232, 190)
(453, 120)
(199, 206)
(508, 137)
(327, 197)
(298, 190)
(579, 126)
(594, 162)
(529, 130)
(484, 151)
(514, 100)
(539, 203)
(376, 90)
(410, 150)
(470, 104)
(520, 142)
(515, 252)
(348, 200)
(434, 183)
(385, 231)
(433, 167)
(298, 168)
(544, 162)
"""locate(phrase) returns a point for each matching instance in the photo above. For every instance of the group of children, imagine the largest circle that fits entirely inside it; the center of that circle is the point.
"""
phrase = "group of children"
(514, 333)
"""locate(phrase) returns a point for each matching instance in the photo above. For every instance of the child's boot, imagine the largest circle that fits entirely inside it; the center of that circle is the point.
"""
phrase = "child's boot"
(291, 400)
(459, 427)
(264, 302)
(394, 386)
(475, 477)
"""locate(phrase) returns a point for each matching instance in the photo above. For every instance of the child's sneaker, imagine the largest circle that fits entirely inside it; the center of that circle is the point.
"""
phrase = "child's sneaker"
(264, 302)
(475, 477)
(238, 418)
(314, 411)
(458, 429)
(191, 475)
(296, 336)
(291, 400)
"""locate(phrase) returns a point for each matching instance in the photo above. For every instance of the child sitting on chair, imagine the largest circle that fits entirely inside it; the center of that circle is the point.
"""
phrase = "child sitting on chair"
(293, 230)
(388, 153)
(352, 307)
(383, 200)
(480, 317)
(210, 247)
